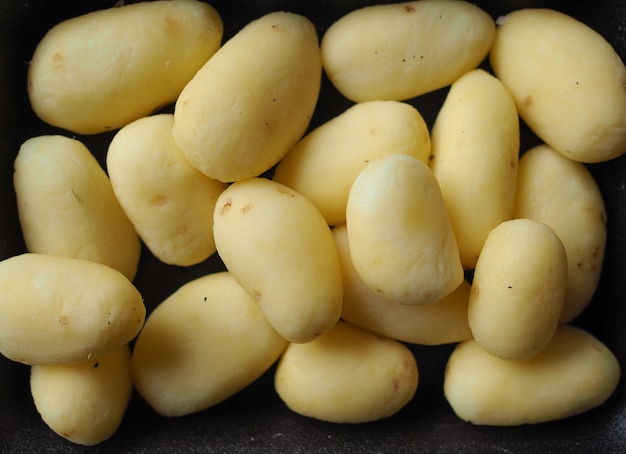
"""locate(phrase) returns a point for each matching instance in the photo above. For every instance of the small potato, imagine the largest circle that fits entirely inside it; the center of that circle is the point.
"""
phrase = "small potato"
(348, 375)
(568, 83)
(204, 343)
(102, 70)
(59, 310)
(67, 206)
(475, 147)
(280, 249)
(84, 402)
(324, 164)
(400, 51)
(443, 322)
(253, 100)
(563, 194)
(401, 240)
(169, 202)
(573, 374)
(518, 289)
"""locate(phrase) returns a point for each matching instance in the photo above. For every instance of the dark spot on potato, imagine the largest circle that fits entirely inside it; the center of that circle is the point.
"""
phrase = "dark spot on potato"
(246, 208)
(409, 9)
(63, 320)
(275, 27)
(528, 101)
(76, 196)
(160, 200)
(96, 365)
(285, 191)
(226, 206)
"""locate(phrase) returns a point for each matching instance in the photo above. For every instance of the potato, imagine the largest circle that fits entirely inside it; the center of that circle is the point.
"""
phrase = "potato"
(443, 322)
(169, 202)
(280, 249)
(518, 289)
(102, 70)
(475, 147)
(401, 240)
(202, 344)
(324, 164)
(573, 374)
(563, 194)
(348, 375)
(404, 50)
(568, 83)
(253, 100)
(66, 205)
(59, 310)
(84, 402)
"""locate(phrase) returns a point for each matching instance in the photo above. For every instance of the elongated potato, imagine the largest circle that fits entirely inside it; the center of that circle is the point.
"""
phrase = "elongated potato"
(518, 289)
(84, 402)
(204, 343)
(401, 241)
(568, 83)
(563, 194)
(443, 322)
(348, 375)
(169, 202)
(573, 374)
(253, 100)
(59, 310)
(67, 206)
(102, 70)
(475, 147)
(280, 249)
(404, 50)
(324, 164)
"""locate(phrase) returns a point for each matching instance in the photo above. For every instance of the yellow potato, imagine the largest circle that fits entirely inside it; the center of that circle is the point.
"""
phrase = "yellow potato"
(569, 84)
(67, 207)
(475, 147)
(563, 194)
(84, 402)
(323, 165)
(280, 249)
(102, 70)
(59, 310)
(348, 375)
(404, 50)
(573, 374)
(518, 289)
(443, 322)
(169, 202)
(401, 239)
(204, 343)
(253, 100)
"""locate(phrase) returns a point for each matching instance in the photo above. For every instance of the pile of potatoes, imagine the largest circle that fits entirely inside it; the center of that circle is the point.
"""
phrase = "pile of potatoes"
(341, 243)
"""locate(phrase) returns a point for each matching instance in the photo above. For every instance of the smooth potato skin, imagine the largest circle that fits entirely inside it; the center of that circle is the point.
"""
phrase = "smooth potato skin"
(84, 402)
(67, 206)
(169, 202)
(253, 100)
(59, 310)
(573, 374)
(568, 83)
(100, 71)
(324, 164)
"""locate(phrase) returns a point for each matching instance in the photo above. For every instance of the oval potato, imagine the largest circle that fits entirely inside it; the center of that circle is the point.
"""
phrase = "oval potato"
(84, 402)
(102, 70)
(573, 374)
(324, 164)
(169, 202)
(59, 310)
(568, 83)
(518, 289)
(564, 195)
(347, 375)
(400, 51)
(66, 205)
(280, 249)
(202, 344)
(401, 240)
(475, 147)
(253, 100)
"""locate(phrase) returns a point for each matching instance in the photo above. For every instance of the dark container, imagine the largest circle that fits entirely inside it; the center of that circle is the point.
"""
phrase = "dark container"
(255, 420)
